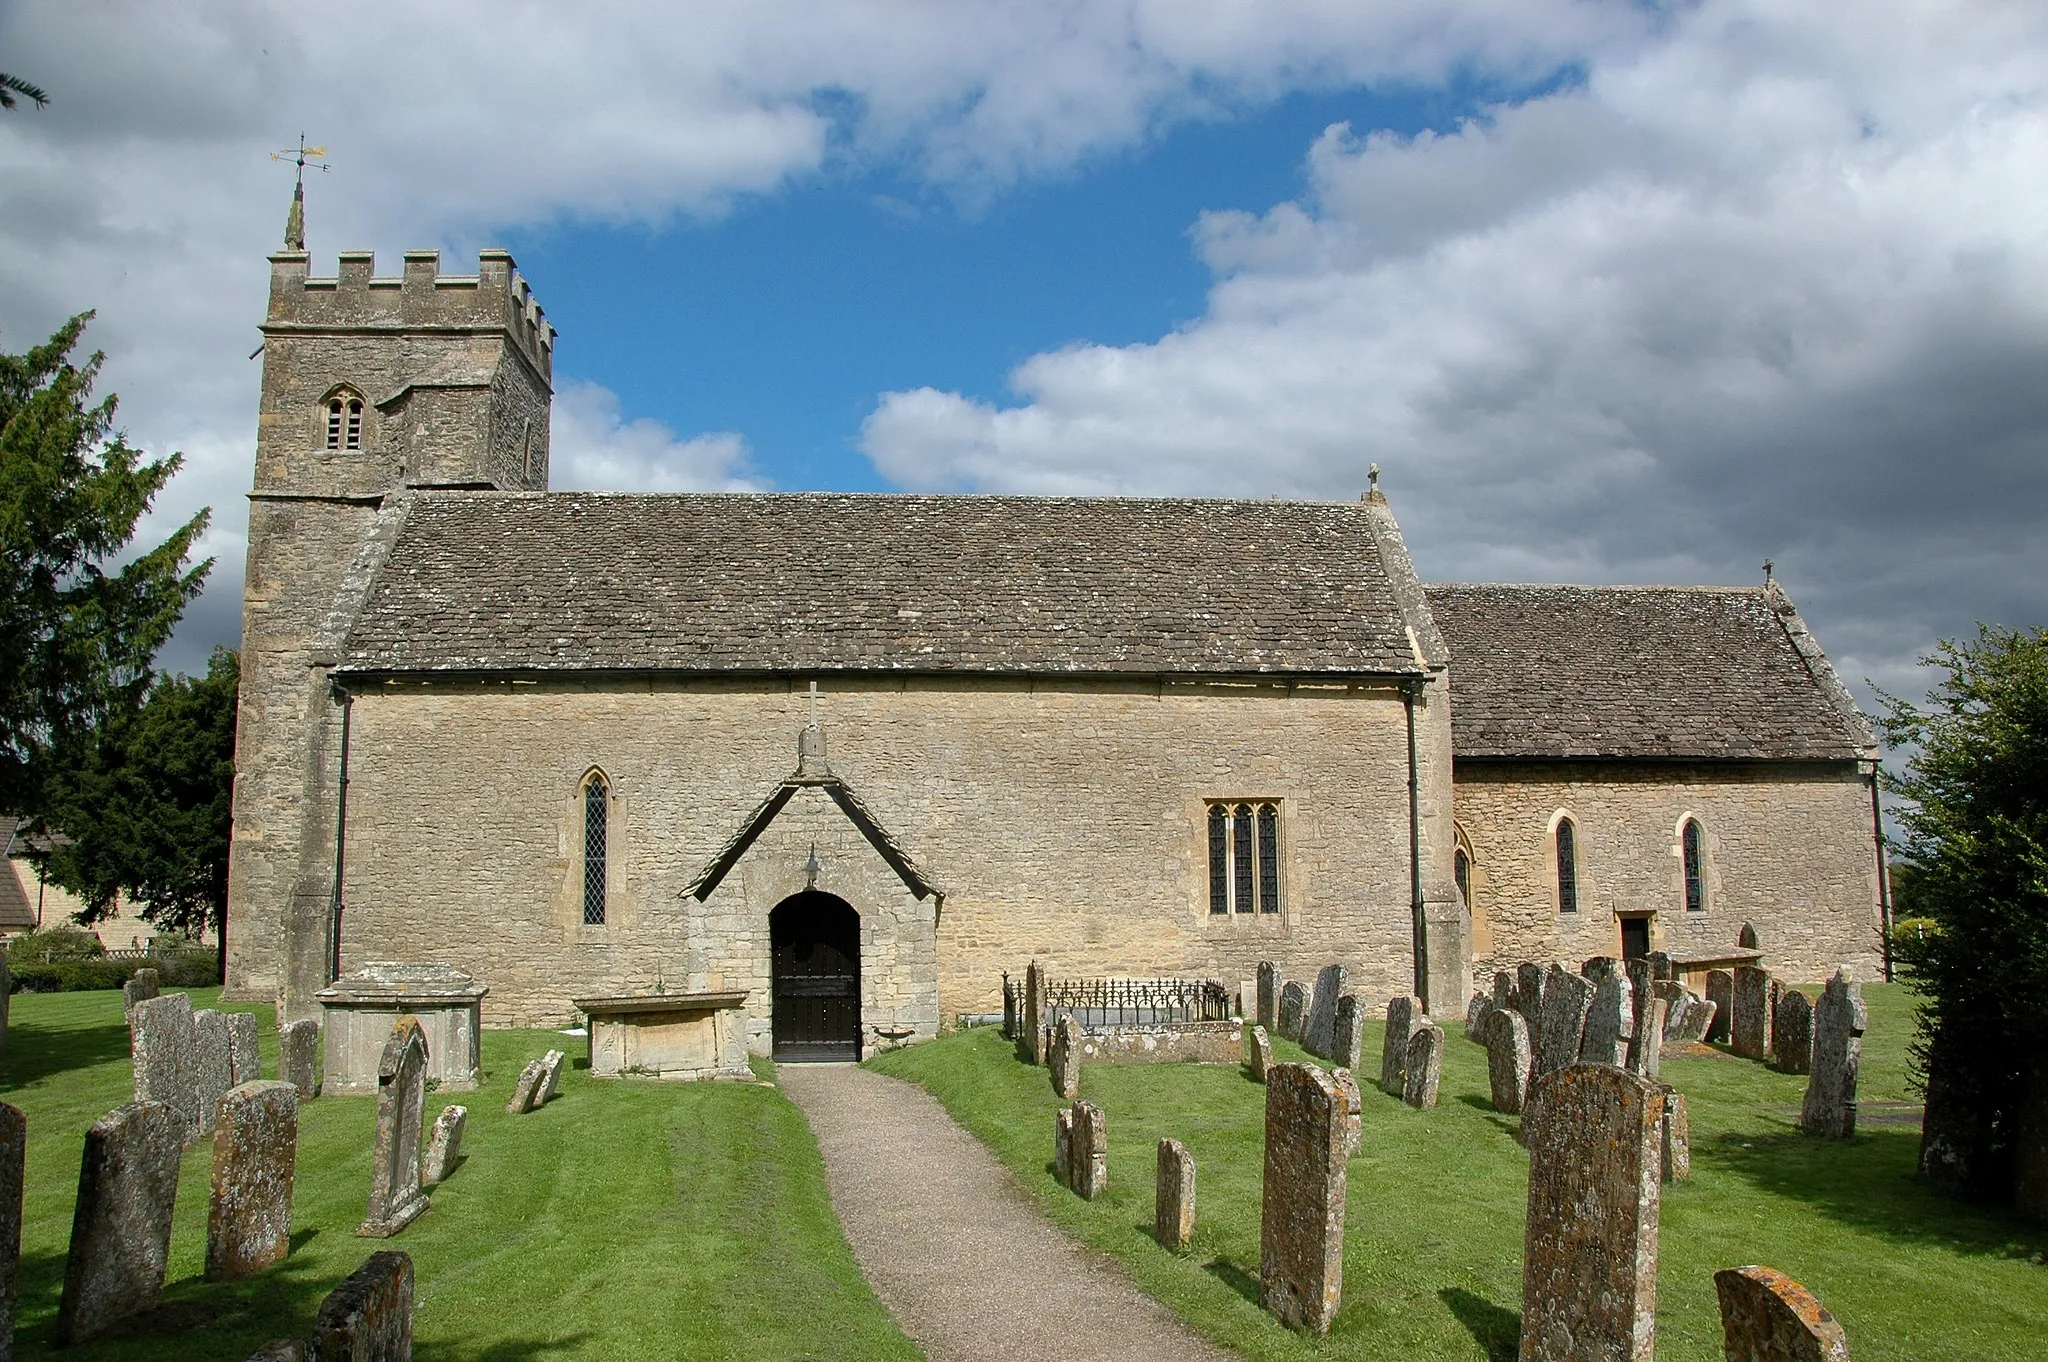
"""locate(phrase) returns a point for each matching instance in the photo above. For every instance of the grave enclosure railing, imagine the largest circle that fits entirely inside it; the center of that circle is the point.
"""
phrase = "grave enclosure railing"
(1108, 1004)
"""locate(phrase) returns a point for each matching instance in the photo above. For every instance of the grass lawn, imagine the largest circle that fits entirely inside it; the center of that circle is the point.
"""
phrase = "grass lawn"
(623, 1220)
(1433, 1233)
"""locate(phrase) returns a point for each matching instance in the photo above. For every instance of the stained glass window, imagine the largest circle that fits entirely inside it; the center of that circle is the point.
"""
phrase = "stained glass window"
(1269, 859)
(1219, 860)
(1567, 868)
(1462, 867)
(1695, 877)
(594, 802)
(1241, 857)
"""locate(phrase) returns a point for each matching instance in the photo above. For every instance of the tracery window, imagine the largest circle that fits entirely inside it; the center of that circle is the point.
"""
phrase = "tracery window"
(345, 421)
(1567, 867)
(1244, 857)
(596, 803)
(1689, 841)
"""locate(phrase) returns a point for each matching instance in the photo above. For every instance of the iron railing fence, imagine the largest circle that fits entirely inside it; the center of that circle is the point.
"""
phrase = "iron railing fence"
(1098, 1004)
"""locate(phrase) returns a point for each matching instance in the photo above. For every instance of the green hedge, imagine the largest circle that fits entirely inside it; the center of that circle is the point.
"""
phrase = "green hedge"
(183, 969)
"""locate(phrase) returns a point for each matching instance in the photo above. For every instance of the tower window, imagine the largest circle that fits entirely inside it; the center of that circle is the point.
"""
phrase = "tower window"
(1244, 857)
(345, 421)
(594, 810)
(1689, 840)
(1567, 867)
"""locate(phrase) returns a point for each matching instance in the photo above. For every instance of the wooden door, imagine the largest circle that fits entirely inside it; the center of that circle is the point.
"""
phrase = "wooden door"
(816, 944)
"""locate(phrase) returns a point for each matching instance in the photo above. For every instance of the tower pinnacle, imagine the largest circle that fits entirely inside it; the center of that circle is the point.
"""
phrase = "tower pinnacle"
(300, 156)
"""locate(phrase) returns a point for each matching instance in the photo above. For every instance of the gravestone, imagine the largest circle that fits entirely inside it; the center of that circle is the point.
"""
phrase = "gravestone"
(1610, 1019)
(1475, 1015)
(1347, 1032)
(1065, 1058)
(13, 1166)
(1503, 988)
(1792, 1032)
(1009, 1007)
(368, 1318)
(1063, 1147)
(1293, 1002)
(1566, 1000)
(1301, 1220)
(1089, 1156)
(1674, 1137)
(1507, 1060)
(1839, 1019)
(1031, 1026)
(552, 1064)
(526, 1092)
(1721, 993)
(1424, 1069)
(444, 1148)
(1354, 1109)
(1646, 1033)
(395, 1195)
(1173, 1196)
(245, 1050)
(1269, 995)
(1749, 1029)
(1768, 1317)
(1321, 1019)
(161, 1042)
(1258, 1052)
(1661, 967)
(1529, 994)
(1598, 968)
(142, 985)
(121, 1223)
(298, 1057)
(1589, 1276)
(255, 1153)
(1404, 1015)
(212, 1065)
(1688, 1014)
(283, 1350)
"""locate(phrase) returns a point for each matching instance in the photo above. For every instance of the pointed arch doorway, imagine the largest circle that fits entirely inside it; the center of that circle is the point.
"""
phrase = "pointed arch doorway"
(815, 949)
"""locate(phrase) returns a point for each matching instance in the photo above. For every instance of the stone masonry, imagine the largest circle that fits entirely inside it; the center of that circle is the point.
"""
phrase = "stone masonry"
(1301, 1230)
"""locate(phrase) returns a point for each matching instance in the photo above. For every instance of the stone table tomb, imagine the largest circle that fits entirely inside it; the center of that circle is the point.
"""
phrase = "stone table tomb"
(361, 1009)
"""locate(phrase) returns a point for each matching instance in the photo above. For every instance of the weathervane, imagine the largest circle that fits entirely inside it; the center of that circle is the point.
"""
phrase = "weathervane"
(300, 156)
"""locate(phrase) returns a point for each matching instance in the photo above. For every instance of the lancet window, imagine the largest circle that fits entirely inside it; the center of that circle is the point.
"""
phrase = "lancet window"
(345, 421)
(596, 801)
(1567, 867)
(1690, 846)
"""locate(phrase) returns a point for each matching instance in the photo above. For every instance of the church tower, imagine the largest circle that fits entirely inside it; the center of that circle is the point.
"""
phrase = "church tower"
(374, 390)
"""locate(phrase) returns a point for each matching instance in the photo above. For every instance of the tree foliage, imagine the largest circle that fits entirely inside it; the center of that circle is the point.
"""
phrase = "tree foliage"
(1976, 839)
(80, 619)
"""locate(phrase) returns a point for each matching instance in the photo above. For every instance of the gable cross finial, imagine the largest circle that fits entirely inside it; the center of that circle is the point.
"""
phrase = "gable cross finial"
(1767, 571)
(1372, 478)
(300, 156)
(814, 705)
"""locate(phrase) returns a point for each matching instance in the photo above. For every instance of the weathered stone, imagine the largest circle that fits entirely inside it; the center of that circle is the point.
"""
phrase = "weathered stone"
(1354, 1109)
(1792, 1032)
(13, 1167)
(1838, 1023)
(1031, 1025)
(1674, 1138)
(1661, 967)
(1503, 988)
(1173, 1205)
(1768, 1317)
(526, 1092)
(1063, 1147)
(1646, 1039)
(1749, 1029)
(1721, 993)
(283, 1350)
(1321, 1018)
(395, 1193)
(1589, 1257)
(212, 1065)
(1598, 968)
(552, 1063)
(1347, 1032)
(359, 1010)
(1424, 1069)
(255, 1153)
(121, 1224)
(1610, 1019)
(1258, 1052)
(1269, 995)
(1293, 1002)
(1529, 995)
(1301, 1225)
(1475, 1016)
(1404, 1015)
(161, 1042)
(1508, 1060)
(245, 1049)
(1065, 1058)
(1566, 1000)
(1090, 1151)
(1009, 1007)
(142, 985)
(444, 1148)
(298, 1057)
(368, 1318)
(1687, 1013)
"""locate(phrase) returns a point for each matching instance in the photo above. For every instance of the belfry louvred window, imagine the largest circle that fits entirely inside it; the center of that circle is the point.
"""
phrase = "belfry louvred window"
(345, 421)
(594, 835)
(1244, 857)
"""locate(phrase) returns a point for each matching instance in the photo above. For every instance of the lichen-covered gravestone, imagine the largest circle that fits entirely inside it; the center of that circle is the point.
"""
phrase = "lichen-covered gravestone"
(1838, 1023)
(13, 1149)
(142, 985)
(1610, 1018)
(1404, 1015)
(1354, 1109)
(121, 1223)
(1031, 1024)
(1475, 1016)
(1065, 1059)
(444, 1148)
(255, 1153)
(1749, 1031)
(1792, 1032)
(1089, 1156)
(298, 1057)
(1768, 1317)
(1301, 1223)
(1258, 1052)
(1503, 988)
(1721, 993)
(1507, 1060)
(1646, 1033)
(1063, 1147)
(1322, 1010)
(1424, 1069)
(1566, 1000)
(1173, 1196)
(1347, 1033)
(552, 1063)
(212, 1065)
(1674, 1137)
(1529, 981)
(161, 1042)
(1589, 1255)
(245, 1049)
(1269, 995)
(395, 1193)
(368, 1318)
(1598, 967)
(526, 1092)
(1293, 1002)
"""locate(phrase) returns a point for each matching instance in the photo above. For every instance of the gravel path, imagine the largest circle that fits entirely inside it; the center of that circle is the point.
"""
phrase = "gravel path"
(955, 1248)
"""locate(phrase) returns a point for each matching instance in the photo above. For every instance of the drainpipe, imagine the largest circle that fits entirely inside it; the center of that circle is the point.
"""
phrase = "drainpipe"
(340, 839)
(1415, 905)
(1884, 873)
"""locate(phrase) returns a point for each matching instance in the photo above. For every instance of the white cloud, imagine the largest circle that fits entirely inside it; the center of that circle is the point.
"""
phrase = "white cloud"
(591, 447)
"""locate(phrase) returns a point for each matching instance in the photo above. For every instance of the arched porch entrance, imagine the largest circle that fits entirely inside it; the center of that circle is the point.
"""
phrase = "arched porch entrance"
(815, 943)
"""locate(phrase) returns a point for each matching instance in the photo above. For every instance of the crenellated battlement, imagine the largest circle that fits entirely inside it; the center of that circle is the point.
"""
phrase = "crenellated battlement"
(356, 299)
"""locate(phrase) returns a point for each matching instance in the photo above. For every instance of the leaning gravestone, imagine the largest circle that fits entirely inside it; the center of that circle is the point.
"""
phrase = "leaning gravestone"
(1768, 1317)
(298, 1057)
(1354, 1109)
(1173, 1196)
(368, 1318)
(1646, 1031)
(1749, 1032)
(1065, 1059)
(1258, 1052)
(1269, 995)
(395, 1195)
(143, 985)
(444, 1148)
(1674, 1137)
(245, 1050)
(1507, 1060)
(1839, 1020)
(1301, 1222)
(1404, 1015)
(1031, 1026)
(526, 1092)
(1424, 1069)
(1721, 993)
(255, 1153)
(1089, 1156)
(1589, 1275)
(552, 1064)
(121, 1224)
(1347, 1033)
(1321, 1019)
(160, 1039)
(1566, 1000)
(1792, 1032)
(212, 1064)
(1529, 981)
(1610, 1019)
(1293, 1002)
(13, 1149)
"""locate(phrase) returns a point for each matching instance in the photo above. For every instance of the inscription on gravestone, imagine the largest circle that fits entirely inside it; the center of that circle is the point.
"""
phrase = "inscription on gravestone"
(1610, 1018)
(1566, 1000)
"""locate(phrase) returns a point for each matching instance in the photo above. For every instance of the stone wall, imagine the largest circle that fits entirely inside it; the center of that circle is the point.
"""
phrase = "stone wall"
(1787, 848)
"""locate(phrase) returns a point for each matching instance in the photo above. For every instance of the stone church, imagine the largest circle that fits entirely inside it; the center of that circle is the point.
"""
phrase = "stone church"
(854, 756)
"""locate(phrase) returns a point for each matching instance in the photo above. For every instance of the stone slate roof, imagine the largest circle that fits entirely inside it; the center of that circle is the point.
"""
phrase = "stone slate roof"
(570, 581)
(17, 906)
(1640, 672)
